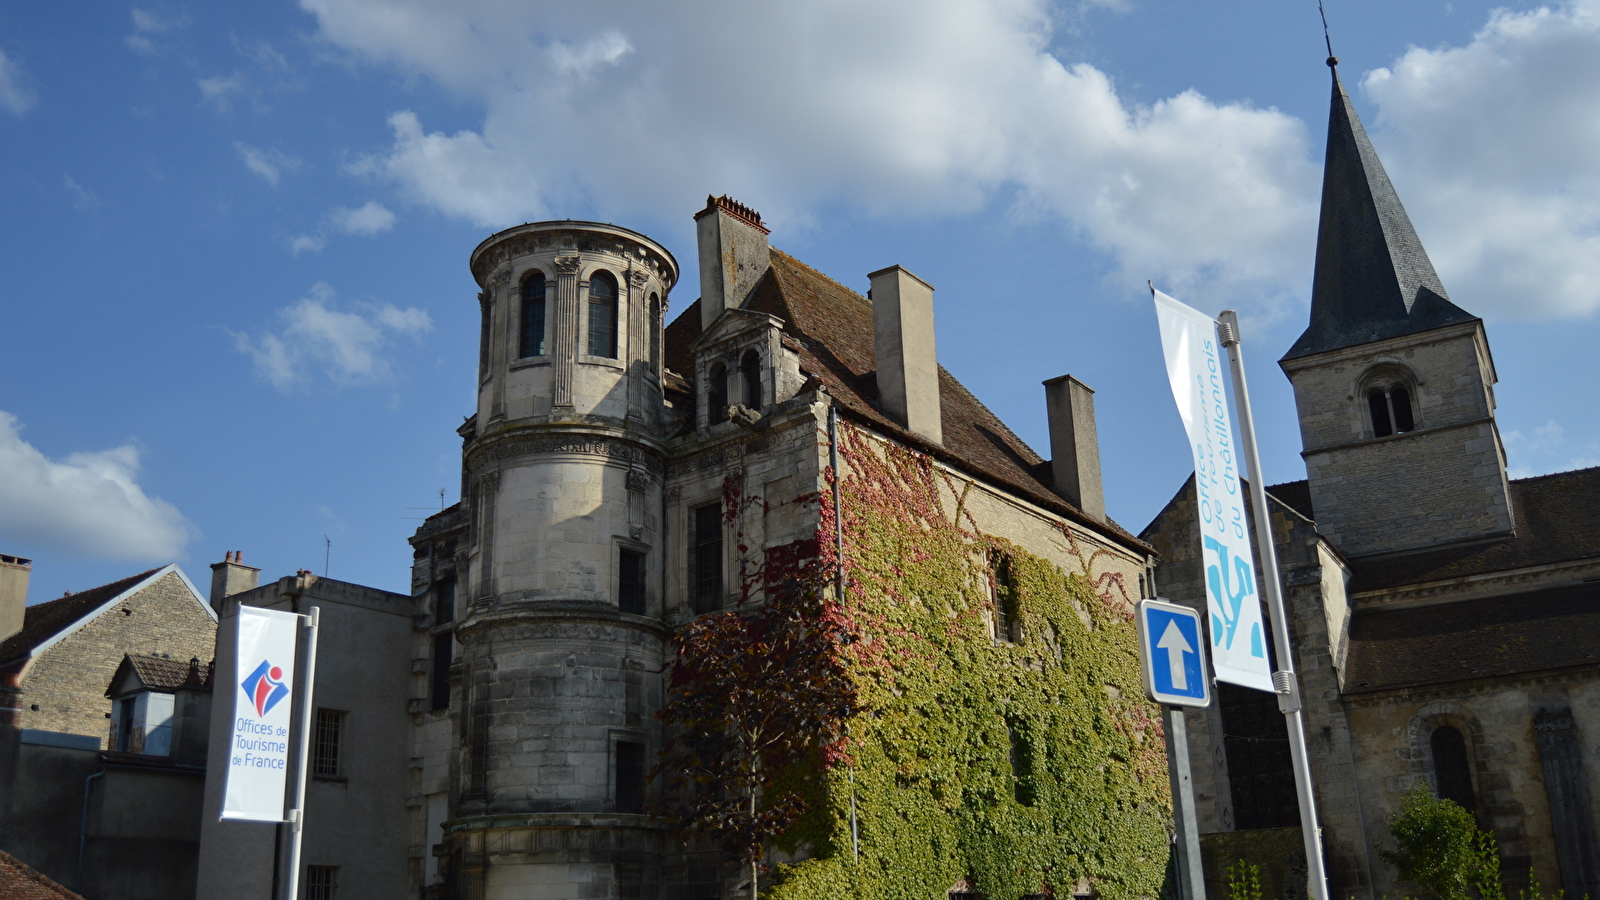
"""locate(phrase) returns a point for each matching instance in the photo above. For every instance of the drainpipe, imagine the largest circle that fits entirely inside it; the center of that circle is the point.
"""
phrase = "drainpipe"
(83, 829)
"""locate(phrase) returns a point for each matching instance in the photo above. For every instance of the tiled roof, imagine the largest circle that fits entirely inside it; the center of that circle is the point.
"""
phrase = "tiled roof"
(1474, 639)
(162, 674)
(1373, 279)
(44, 621)
(832, 326)
(1294, 494)
(19, 881)
(1557, 520)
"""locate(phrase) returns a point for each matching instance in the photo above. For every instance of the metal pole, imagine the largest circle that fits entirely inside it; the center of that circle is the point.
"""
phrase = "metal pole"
(297, 815)
(1191, 880)
(1284, 679)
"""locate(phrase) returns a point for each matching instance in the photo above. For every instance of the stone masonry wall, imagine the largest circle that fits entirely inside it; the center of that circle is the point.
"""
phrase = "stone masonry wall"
(67, 683)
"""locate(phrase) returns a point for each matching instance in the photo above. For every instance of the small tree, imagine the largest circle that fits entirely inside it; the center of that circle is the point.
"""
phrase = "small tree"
(1440, 847)
(754, 692)
(1244, 881)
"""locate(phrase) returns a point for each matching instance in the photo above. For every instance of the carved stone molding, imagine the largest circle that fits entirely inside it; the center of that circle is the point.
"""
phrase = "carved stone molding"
(639, 278)
(568, 265)
(583, 444)
(638, 481)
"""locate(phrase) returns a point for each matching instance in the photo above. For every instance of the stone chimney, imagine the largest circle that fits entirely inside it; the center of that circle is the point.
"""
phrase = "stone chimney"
(231, 576)
(908, 366)
(733, 255)
(14, 572)
(1074, 445)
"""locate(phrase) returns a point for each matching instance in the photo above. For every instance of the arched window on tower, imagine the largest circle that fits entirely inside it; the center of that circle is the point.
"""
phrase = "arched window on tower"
(603, 315)
(717, 394)
(1390, 406)
(750, 374)
(533, 307)
(655, 334)
(1452, 774)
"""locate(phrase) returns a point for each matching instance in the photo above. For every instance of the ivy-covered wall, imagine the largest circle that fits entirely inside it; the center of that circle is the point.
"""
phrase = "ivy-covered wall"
(1020, 764)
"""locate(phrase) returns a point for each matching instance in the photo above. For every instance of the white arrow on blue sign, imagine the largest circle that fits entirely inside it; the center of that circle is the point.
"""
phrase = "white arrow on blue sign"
(1170, 647)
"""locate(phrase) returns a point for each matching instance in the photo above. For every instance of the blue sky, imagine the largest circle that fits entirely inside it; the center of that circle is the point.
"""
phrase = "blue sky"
(235, 311)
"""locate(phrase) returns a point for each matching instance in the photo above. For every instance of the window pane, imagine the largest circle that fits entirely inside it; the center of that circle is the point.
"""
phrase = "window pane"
(630, 777)
(1450, 768)
(533, 296)
(321, 882)
(1260, 772)
(750, 374)
(717, 395)
(444, 648)
(630, 582)
(444, 606)
(325, 745)
(1379, 404)
(1400, 399)
(602, 316)
(707, 562)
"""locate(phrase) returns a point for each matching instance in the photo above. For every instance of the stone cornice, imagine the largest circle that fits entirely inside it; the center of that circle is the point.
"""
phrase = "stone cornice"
(568, 237)
(1392, 345)
(1573, 675)
(550, 616)
(1472, 587)
(1437, 429)
(512, 443)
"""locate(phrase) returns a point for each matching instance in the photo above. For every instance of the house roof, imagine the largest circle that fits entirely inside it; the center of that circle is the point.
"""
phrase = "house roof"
(19, 881)
(1467, 640)
(43, 621)
(162, 674)
(832, 331)
(1373, 278)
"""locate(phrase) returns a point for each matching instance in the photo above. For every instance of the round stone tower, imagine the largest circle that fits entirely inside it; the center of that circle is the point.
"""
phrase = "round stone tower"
(561, 636)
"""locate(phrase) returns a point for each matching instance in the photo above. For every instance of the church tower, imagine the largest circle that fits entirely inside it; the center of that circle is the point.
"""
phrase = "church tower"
(1394, 383)
(561, 630)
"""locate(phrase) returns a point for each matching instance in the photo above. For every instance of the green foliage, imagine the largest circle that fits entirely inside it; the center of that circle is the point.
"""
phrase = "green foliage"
(1244, 881)
(1014, 764)
(1441, 849)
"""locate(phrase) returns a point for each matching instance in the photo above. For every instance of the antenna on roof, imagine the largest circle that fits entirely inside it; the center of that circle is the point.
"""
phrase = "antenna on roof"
(441, 499)
(1332, 60)
(327, 553)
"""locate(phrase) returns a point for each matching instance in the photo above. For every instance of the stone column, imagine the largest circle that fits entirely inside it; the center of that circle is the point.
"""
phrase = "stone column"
(635, 352)
(564, 349)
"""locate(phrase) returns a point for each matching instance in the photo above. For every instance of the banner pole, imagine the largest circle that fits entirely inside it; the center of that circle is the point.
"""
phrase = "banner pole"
(297, 812)
(1284, 679)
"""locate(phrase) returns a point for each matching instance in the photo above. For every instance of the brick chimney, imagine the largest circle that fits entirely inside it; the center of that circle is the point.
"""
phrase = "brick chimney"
(1074, 444)
(14, 573)
(908, 366)
(231, 576)
(733, 255)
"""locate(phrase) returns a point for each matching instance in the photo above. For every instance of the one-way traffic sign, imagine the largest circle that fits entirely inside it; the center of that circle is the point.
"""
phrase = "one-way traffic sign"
(1170, 646)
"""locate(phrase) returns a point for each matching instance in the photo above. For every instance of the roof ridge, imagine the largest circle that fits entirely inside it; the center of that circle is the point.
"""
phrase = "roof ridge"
(1559, 474)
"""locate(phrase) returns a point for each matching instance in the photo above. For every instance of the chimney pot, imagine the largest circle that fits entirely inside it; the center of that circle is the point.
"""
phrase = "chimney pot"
(231, 576)
(14, 574)
(908, 363)
(1074, 444)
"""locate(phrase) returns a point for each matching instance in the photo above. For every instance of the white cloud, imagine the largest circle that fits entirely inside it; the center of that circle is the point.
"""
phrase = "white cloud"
(366, 220)
(147, 25)
(219, 90)
(15, 95)
(347, 348)
(88, 504)
(268, 163)
(1546, 449)
(307, 243)
(82, 198)
(926, 107)
(1492, 148)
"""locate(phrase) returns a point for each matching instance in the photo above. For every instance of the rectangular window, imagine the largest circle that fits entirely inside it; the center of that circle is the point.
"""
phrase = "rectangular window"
(444, 646)
(707, 560)
(630, 777)
(325, 744)
(321, 882)
(444, 601)
(630, 582)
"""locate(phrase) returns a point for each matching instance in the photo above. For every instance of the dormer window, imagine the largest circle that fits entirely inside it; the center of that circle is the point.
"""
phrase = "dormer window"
(142, 723)
(750, 375)
(1391, 410)
(533, 316)
(603, 315)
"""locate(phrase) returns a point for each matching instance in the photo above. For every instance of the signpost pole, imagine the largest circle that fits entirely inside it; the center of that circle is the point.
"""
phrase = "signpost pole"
(1288, 686)
(1191, 881)
(297, 811)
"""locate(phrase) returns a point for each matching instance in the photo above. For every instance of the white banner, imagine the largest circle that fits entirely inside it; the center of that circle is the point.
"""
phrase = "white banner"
(1194, 366)
(258, 751)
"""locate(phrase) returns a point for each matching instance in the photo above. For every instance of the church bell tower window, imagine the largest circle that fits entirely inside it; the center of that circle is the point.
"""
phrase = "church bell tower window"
(1391, 410)
(602, 315)
(750, 374)
(533, 315)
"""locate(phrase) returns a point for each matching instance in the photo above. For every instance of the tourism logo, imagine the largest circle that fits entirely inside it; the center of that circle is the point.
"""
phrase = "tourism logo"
(265, 687)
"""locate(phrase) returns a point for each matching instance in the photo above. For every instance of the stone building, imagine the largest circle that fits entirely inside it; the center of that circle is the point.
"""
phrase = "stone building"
(597, 517)
(104, 702)
(1446, 617)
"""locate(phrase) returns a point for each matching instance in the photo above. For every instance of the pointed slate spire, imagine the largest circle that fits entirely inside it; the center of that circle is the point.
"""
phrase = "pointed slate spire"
(1373, 279)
